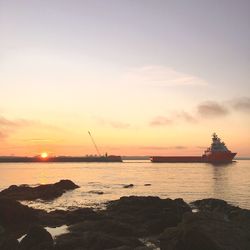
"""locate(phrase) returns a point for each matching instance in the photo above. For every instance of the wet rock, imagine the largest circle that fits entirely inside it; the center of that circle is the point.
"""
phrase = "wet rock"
(37, 238)
(149, 215)
(206, 231)
(131, 248)
(96, 192)
(228, 211)
(45, 192)
(61, 217)
(151, 242)
(128, 186)
(54, 218)
(212, 205)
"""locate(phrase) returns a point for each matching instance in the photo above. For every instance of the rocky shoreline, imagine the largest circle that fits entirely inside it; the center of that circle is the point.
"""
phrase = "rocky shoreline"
(133, 222)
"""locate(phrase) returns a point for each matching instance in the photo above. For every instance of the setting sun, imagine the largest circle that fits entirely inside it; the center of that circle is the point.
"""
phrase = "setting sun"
(44, 155)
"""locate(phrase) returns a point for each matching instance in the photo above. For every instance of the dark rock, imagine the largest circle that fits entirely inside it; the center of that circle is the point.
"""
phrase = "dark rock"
(240, 217)
(122, 248)
(218, 226)
(82, 214)
(14, 214)
(147, 184)
(96, 192)
(128, 186)
(144, 248)
(1, 230)
(37, 239)
(104, 233)
(205, 231)
(108, 226)
(212, 205)
(60, 217)
(149, 215)
(66, 185)
(45, 192)
(8, 243)
(54, 218)
(91, 240)
(228, 211)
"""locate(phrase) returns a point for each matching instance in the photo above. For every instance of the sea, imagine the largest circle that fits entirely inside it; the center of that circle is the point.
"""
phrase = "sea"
(102, 182)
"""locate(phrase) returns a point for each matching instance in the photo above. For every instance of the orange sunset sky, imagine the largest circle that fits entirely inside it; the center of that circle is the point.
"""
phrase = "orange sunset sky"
(145, 77)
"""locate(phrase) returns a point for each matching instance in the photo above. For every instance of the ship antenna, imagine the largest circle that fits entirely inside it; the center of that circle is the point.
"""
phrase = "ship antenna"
(96, 148)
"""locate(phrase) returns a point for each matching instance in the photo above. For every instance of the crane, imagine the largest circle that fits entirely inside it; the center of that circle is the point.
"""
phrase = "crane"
(92, 139)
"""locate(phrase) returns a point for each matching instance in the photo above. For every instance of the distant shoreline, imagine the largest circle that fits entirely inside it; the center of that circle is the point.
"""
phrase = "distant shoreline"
(69, 159)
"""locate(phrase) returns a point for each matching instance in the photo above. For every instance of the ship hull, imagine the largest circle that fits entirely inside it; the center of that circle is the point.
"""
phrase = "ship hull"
(219, 157)
(213, 158)
(162, 159)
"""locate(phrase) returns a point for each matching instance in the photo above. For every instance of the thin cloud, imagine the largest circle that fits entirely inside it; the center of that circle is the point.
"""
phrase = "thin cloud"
(162, 148)
(2, 135)
(186, 117)
(7, 123)
(212, 109)
(168, 120)
(208, 109)
(119, 125)
(15, 123)
(241, 104)
(113, 124)
(11, 125)
(180, 147)
(155, 75)
(38, 140)
(161, 121)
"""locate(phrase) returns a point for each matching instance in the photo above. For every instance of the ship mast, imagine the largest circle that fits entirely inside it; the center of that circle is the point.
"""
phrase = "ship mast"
(96, 148)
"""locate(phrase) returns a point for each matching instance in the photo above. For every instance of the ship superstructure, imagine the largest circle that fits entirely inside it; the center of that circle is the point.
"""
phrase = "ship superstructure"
(218, 151)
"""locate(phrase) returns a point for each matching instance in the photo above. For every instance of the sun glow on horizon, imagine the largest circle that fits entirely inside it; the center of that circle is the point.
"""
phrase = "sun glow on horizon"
(44, 155)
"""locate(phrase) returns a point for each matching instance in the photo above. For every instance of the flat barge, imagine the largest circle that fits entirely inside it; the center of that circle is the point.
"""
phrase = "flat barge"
(16, 159)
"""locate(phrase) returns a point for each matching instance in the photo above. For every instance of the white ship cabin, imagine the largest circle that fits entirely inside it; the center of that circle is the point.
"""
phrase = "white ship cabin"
(217, 145)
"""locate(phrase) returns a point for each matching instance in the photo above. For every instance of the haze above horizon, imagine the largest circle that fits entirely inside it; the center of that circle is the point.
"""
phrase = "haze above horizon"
(146, 77)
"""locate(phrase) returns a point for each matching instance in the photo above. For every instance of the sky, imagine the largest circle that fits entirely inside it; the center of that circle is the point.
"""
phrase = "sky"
(146, 77)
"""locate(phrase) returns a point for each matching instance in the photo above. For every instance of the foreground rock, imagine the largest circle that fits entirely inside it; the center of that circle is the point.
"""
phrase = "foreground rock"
(129, 223)
(37, 239)
(229, 212)
(149, 215)
(94, 241)
(122, 224)
(99, 234)
(14, 215)
(60, 217)
(205, 231)
(8, 243)
(44, 192)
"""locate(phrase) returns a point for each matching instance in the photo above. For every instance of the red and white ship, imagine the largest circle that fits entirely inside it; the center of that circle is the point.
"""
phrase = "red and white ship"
(216, 153)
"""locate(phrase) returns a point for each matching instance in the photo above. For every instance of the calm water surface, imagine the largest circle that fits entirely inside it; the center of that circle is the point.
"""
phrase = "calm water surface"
(190, 181)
